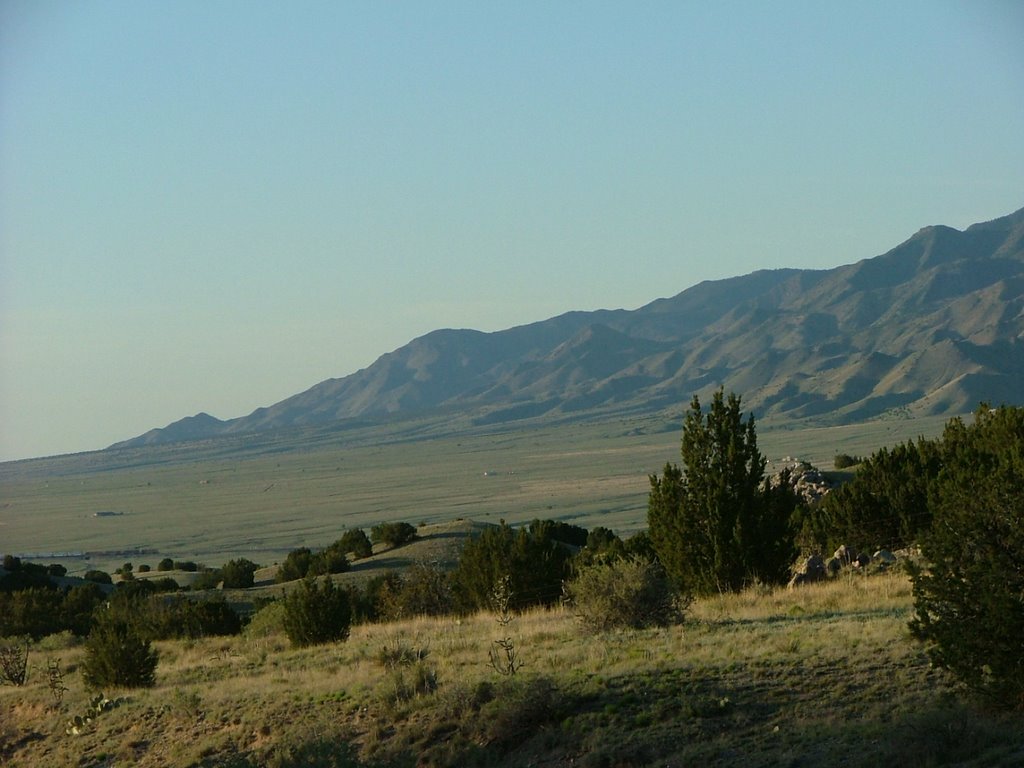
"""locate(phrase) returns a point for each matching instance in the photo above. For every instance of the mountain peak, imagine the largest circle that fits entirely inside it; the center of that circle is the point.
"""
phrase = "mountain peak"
(836, 344)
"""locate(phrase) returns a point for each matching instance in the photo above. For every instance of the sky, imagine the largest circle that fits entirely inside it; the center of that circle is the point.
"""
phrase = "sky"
(211, 205)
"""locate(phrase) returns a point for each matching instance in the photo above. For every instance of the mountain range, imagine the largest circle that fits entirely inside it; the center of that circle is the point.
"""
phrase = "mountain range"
(933, 326)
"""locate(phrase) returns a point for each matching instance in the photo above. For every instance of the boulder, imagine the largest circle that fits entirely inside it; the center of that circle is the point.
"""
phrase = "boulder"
(845, 555)
(812, 569)
(884, 557)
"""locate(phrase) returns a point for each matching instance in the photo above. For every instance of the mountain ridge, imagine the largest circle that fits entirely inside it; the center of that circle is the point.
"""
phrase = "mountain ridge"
(931, 326)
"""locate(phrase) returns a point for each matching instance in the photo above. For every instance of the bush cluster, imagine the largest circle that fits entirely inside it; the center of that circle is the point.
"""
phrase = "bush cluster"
(303, 562)
(392, 534)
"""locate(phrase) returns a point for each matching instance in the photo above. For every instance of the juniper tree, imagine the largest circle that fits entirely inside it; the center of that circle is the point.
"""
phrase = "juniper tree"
(715, 523)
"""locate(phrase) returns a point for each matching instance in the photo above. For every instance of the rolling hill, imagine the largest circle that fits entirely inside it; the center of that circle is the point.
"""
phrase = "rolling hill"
(933, 326)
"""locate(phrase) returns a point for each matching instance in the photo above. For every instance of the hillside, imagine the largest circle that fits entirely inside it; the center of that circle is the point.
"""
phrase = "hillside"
(931, 327)
(811, 677)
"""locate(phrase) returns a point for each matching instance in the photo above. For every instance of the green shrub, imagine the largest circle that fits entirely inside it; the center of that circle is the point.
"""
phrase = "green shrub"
(392, 534)
(715, 522)
(35, 612)
(845, 460)
(209, 578)
(969, 598)
(423, 590)
(295, 566)
(631, 592)
(239, 574)
(316, 612)
(330, 560)
(884, 506)
(165, 565)
(268, 620)
(535, 566)
(355, 541)
(99, 577)
(117, 654)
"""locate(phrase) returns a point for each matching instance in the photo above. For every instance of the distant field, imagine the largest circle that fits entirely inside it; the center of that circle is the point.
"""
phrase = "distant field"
(260, 498)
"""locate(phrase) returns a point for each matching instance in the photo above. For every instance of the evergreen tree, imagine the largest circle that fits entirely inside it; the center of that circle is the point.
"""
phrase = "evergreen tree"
(969, 596)
(534, 564)
(715, 524)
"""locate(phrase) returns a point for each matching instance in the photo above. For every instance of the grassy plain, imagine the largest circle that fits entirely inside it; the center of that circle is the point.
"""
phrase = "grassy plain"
(260, 497)
(823, 675)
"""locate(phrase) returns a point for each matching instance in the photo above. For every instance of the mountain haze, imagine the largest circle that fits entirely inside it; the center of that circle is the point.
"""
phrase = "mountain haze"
(933, 326)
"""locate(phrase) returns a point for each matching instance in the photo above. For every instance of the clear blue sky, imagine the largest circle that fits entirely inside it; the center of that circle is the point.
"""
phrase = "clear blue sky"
(210, 206)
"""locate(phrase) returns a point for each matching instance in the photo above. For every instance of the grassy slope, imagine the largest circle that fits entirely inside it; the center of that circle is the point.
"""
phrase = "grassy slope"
(822, 675)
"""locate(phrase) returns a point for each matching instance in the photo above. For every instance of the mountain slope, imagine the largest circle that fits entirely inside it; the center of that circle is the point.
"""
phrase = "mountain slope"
(934, 325)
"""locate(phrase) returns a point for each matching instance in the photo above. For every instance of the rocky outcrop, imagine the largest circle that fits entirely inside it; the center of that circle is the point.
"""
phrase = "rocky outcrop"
(807, 481)
(815, 568)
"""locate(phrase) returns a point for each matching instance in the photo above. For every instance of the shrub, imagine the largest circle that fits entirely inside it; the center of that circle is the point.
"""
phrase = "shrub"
(186, 565)
(295, 566)
(268, 620)
(117, 654)
(99, 577)
(316, 613)
(845, 461)
(203, 618)
(11, 563)
(535, 566)
(239, 574)
(355, 541)
(884, 506)
(631, 592)
(144, 568)
(35, 612)
(393, 534)
(969, 599)
(78, 606)
(207, 579)
(331, 560)
(14, 663)
(556, 530)
(165, 565)
(423, 590)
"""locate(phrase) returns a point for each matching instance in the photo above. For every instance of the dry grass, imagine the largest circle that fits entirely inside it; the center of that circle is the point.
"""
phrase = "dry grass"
(765, 677)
